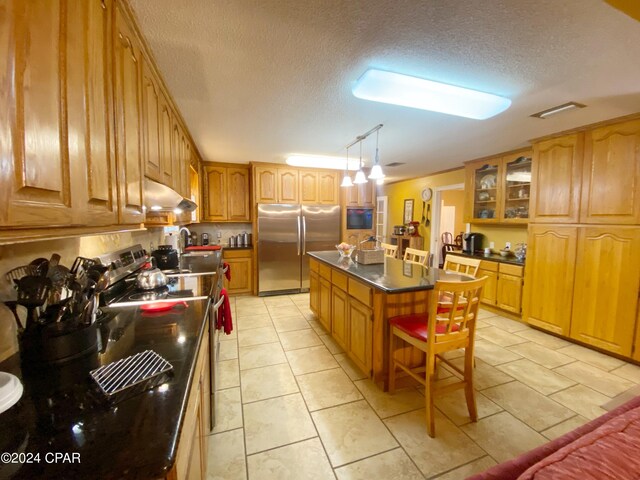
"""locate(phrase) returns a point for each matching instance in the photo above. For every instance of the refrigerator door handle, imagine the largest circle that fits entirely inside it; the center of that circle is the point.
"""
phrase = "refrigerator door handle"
(298, 240)
(304, 235)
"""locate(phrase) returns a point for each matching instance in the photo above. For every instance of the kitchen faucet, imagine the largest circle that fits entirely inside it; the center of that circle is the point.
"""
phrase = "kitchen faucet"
(183, 239)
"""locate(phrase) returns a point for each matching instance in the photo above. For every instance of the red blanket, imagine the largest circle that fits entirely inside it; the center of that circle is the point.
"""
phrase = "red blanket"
(223, 317)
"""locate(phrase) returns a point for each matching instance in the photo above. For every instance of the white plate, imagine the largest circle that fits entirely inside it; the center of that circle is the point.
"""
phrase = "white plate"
(10, 391)
(488, 181)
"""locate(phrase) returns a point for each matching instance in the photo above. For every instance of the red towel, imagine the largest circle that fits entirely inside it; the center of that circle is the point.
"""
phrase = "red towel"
(223, 318)
(228, 272)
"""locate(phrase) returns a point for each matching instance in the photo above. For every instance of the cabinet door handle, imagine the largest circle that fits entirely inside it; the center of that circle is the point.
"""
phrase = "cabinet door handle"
(304, 235)
(298, 241)
(103, 4)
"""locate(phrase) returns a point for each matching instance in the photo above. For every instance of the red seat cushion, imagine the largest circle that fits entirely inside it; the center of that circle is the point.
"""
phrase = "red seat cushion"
(416, 325)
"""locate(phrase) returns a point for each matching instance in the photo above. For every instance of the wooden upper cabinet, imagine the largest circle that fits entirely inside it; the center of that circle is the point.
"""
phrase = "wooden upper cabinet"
(287, 185)
(165, 131)
(36, 174)
(328, 192)
(238, 194)
(265, 184)
(226, 194)
(362, 195)
(516, 183)
(549, 276)
(309, 187)
(184, 184)
(128, 124)
(215, 194)
(611, 178)
(151, 124)
(484, 189)
(176, 153)
(606, 287)
(557, 170)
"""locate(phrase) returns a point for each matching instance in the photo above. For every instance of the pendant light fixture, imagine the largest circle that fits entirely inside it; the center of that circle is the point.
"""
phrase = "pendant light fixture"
(346, 180)
(376, 170)
(360, 176)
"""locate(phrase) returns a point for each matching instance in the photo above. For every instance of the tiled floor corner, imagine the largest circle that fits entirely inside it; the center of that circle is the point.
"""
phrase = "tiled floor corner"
(292, 405)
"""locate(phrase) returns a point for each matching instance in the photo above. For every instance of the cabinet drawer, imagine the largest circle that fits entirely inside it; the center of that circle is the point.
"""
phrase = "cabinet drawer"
(516, 270)
(314, 266)
(237, 253)
(490, 266)
(339, 280)
(360, 292)
(325, 271)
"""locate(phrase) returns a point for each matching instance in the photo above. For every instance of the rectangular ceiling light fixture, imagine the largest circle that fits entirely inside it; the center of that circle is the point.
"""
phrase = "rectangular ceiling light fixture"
(322, 161)
(398, 89)
(560, 108)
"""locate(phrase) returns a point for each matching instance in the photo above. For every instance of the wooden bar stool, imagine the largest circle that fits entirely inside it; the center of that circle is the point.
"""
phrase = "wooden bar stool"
(419, 257)
(389, 250)
(467, 266)
(435, 333)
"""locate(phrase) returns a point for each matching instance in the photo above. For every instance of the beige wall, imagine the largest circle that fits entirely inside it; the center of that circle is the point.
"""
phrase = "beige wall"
(455, 198)
(500, 234)
(15, 255)
(411, 189)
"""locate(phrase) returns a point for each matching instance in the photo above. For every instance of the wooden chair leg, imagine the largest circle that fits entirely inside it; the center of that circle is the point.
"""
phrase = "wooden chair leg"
(469, 392)
(428, 394)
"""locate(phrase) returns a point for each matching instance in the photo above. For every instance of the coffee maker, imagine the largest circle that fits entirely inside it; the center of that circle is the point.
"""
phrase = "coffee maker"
(472, 242)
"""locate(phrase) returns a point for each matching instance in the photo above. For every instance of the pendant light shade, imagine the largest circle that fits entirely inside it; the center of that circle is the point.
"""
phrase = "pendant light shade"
(346, 180)
(376, 170)
(360, 177)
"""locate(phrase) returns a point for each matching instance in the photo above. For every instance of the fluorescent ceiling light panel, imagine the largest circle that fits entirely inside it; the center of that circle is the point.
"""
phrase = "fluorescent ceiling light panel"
(398, 89)
(322, 161)
(560, 108)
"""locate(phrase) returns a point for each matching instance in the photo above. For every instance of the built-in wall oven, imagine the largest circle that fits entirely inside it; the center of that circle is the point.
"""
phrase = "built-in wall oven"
(359, 218)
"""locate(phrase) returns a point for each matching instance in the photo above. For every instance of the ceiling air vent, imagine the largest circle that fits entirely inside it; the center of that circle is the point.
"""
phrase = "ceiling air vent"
(560, 108)
(394, 164)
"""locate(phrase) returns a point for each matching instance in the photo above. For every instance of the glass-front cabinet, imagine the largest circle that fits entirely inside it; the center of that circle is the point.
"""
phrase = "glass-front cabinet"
(498, 188)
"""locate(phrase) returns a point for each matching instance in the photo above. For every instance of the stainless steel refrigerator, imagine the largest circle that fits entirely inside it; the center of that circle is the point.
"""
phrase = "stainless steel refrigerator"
(285, 234)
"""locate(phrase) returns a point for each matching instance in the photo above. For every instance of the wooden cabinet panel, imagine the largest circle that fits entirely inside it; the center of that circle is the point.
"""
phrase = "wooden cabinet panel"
(549, 276)
(128, 127)
(611, 179)
(166, 154)
(215, 194)
(36, 185)
(151, 125)
(328, 193)
(314, 291)
(557, 170)
(362, 195)
(516, 183)
(490, 289)
(241, 265)
(606, 287)
(265, 185)
(238, 194)
(177, 156)
(509, 293)
(287, 185)
(484, 191)
(309, 187)
(360, 335)
(339, 317)
(324, 303)
(183, 185)
(89, 114)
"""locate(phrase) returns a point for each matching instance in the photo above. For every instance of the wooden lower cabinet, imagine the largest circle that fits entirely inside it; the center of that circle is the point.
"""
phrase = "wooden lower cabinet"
(241, 264)
(360, 335)
(548, 281)
(191, 457)
(509, 293)
(490, 289)
(605, 294)
(314, 291)
(324, 303)
(340, 317)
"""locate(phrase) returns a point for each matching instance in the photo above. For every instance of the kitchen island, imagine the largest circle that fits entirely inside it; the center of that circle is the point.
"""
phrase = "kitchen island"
(354, 302)
(155, 434)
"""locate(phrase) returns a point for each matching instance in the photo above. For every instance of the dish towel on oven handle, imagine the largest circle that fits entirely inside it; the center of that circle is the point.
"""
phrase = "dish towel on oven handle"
(223, 316)
(227, 272)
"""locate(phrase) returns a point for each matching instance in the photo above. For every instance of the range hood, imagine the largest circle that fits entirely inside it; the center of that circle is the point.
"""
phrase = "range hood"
(160, 198)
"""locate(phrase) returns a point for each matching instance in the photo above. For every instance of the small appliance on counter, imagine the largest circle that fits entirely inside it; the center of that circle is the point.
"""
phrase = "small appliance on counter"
(472, 242)
(205, 239)
(399, 230)
(166, 257)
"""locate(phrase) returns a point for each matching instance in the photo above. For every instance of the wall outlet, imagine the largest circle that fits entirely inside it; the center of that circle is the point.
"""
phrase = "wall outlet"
(219, 234)
(492, 244)
(507, 245)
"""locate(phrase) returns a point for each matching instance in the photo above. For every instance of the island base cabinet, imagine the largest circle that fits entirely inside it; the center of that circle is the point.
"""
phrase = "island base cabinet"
(314, 292)
(607, 278)
(360, 335)
(325, 303)
(339, 317)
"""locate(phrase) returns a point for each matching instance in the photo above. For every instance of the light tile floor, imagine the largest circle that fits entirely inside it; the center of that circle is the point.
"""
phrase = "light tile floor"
(291, 405)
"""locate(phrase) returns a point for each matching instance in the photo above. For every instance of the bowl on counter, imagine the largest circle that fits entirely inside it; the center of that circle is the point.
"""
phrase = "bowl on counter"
(506, 253)
(345, 250)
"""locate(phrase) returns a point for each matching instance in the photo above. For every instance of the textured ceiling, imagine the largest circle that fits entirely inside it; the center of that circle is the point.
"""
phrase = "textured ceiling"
(257, 80)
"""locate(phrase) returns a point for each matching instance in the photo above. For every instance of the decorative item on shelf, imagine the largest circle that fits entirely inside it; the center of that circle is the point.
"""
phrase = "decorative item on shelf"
(521, 251)
(412, 229)
(483, 196)
(408, 211)
(488, 181)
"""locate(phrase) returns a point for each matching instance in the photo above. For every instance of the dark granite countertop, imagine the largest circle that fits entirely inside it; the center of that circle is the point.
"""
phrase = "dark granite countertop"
(61, 412)
(392, 276)
(494, 257)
